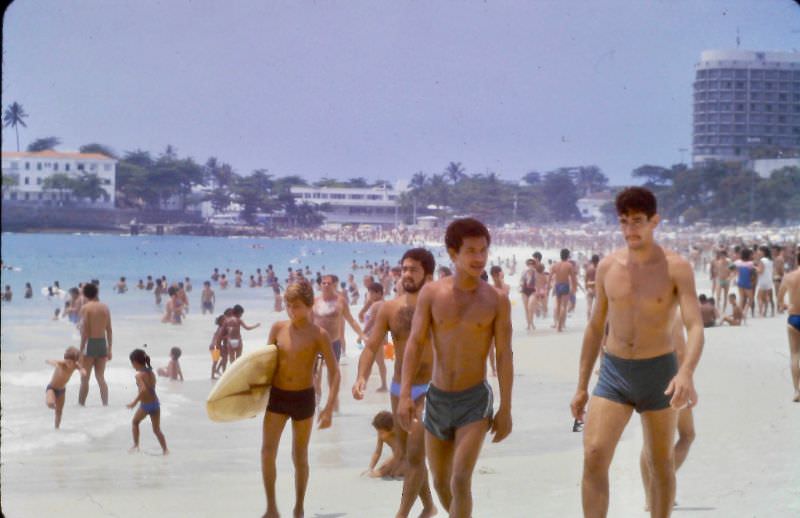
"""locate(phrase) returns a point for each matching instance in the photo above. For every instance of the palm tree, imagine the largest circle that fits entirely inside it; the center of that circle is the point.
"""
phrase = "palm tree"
(13, 117)
(455, 172)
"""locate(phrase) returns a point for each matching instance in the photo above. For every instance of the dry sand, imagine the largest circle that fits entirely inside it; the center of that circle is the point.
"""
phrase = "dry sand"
(742, 464)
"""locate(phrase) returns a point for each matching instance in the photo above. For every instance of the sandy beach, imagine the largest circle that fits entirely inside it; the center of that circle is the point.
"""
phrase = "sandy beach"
(742, 463)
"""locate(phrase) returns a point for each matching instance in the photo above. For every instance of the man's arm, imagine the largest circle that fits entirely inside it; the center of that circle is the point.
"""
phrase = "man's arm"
(249, 328)
(592, 338)
(349, 318)
(782, 292)
(326, 348)
(417, 340)
(505, 368)
(682, 386)
(371, 347)
(84, 325)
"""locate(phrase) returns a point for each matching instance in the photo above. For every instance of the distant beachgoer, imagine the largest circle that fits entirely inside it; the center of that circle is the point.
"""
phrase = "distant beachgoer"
(184, 298)
(708, 311)
(96, 342)
(790, 285)
(121, 286)
(56, 389)
(779, 269)
(383, 422)
(375, 294)
(765, 283)
(140, 284)
(736, 316)
(589, 281)
(237, 280)
(639, 289)
(187, 285)
(746, 280)
(276, 294)
(458, 317)
(443, 272)
(724, 274)
(174, 308)
(368, 280)
(147, 399)
(330, 313)
(8, 294)
(234, 323)
(527, 283)
(218, 348)
(395, 317)
(565, 279)
(149, 285)
(173, 369)
(207, 298)
(28, 290)
(292, 394)
(352, 288)
(223, 282)
(215, 275)
(158, 291)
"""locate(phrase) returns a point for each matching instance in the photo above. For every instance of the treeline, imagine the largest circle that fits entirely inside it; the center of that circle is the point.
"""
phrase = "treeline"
(723, 193)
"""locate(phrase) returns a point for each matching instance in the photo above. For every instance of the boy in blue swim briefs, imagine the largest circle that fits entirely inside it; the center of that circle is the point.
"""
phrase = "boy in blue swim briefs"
(790, 285)
(56, 389)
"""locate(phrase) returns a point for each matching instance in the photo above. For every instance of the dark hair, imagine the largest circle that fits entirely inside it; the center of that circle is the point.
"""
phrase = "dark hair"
(423, 257)
(766, 251)
(376, 287)
(702, 297)
(238, 310)
(89, 290)
(537, 256)
(564, 254)
(219, 320)
(175, 352)
(464, 227)
(139, 356)
(746, 254)
(636, 199)
(172, 290)
(444, 270)
(595, 259)
(711, 301)
(383, 420)
(494, 270)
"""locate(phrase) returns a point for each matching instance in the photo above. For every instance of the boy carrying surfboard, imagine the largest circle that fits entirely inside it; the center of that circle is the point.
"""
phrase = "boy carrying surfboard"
(298, 342)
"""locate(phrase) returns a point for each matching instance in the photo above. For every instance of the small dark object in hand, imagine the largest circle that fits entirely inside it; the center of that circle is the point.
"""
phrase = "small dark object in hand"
(577, 426)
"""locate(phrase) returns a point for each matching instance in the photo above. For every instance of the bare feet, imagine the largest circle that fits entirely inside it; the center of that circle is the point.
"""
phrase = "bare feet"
(133, 449)
(166, 452)
(382, 389)
(272, 513)
(427, 512)
(796, 397)
(298, 513)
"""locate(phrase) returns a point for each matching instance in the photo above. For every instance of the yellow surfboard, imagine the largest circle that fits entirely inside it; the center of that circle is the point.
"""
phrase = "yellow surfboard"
(242, 391)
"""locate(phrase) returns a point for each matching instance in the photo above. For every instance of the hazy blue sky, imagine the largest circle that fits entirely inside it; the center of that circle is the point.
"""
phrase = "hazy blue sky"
(380, 89)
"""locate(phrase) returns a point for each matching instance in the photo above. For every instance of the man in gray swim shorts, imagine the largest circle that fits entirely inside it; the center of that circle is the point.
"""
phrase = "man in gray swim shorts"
(639, 289)
(96, 338)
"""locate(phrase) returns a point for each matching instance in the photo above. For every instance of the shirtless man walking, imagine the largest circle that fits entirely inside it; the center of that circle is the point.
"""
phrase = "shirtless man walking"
(589, 281)
(395, 316)
(566, 284)
(462, 315)
(791, 286)
(638, 291)
(96, 338)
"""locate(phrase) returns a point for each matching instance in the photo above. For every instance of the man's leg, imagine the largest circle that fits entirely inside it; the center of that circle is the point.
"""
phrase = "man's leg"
(467, 447)
(99, 375)
(270, 439)
(87, 362)
(659, 436)
(301, 432)
(686, 436)
(794, 356)
(59, 407)
(415, 482)
(605, 422)
(440, 461)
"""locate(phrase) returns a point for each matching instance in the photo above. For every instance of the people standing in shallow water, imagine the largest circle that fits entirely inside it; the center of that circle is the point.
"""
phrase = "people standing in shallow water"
(639, 289)
(790, 285)
(207, 298)
(147, 399)
(460, 315)
(292, 395)
(96, 342)
(234, 323)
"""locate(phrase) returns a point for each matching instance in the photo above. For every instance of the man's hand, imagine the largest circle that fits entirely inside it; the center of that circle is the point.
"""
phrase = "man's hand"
(405, 413)
(325, 418)
(358, 388)
(681, 388)
(501, 426)
(578, 405)
(108, 356)
(131, 405)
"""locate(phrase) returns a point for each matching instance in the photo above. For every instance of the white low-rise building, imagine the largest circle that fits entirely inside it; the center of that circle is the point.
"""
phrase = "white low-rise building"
(30, 169)
(353, 205)
(765, 166)
(590, 206)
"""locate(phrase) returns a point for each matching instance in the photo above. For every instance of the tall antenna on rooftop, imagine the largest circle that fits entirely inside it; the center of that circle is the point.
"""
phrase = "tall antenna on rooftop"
(738, 38)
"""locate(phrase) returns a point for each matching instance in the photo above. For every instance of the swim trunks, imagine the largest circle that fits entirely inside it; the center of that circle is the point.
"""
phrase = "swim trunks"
(151, 407)
(234, 343)
(637, 383)
(58, 392)
(724, 283)
(96, 348)
(445, 412)
(794, 321)
(208, 306)
(562, 288)
(417, 391)
(745, 280)
(297, 404)
(337, 349)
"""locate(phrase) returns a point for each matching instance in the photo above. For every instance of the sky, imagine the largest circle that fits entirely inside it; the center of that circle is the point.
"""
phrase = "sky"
(377, 89)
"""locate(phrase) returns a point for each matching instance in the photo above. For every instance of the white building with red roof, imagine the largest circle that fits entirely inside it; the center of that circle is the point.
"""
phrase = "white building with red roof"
(26, 173)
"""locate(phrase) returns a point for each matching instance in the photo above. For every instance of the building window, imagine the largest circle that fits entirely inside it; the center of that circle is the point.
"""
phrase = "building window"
(27, 166)
(79, 166)
(39, 181)
(39, 196)
(66, 167)
(27, 196)
(55, 166)
(740, 85)
(38, 166)
(27, 180)
(356, 197)
(14, 165)
(13, 196)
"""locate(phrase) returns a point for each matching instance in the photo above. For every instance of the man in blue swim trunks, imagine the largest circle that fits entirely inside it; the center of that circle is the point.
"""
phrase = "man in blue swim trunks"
(565, 277)
(791, 285)
(395, 316)
(461, 315)
(639, 289)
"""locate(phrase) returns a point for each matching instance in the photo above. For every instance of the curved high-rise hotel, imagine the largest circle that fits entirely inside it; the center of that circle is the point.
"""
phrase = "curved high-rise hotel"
(746, 105)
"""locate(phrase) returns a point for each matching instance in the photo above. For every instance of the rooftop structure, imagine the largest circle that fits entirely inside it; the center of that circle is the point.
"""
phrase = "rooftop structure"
(353, 205)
